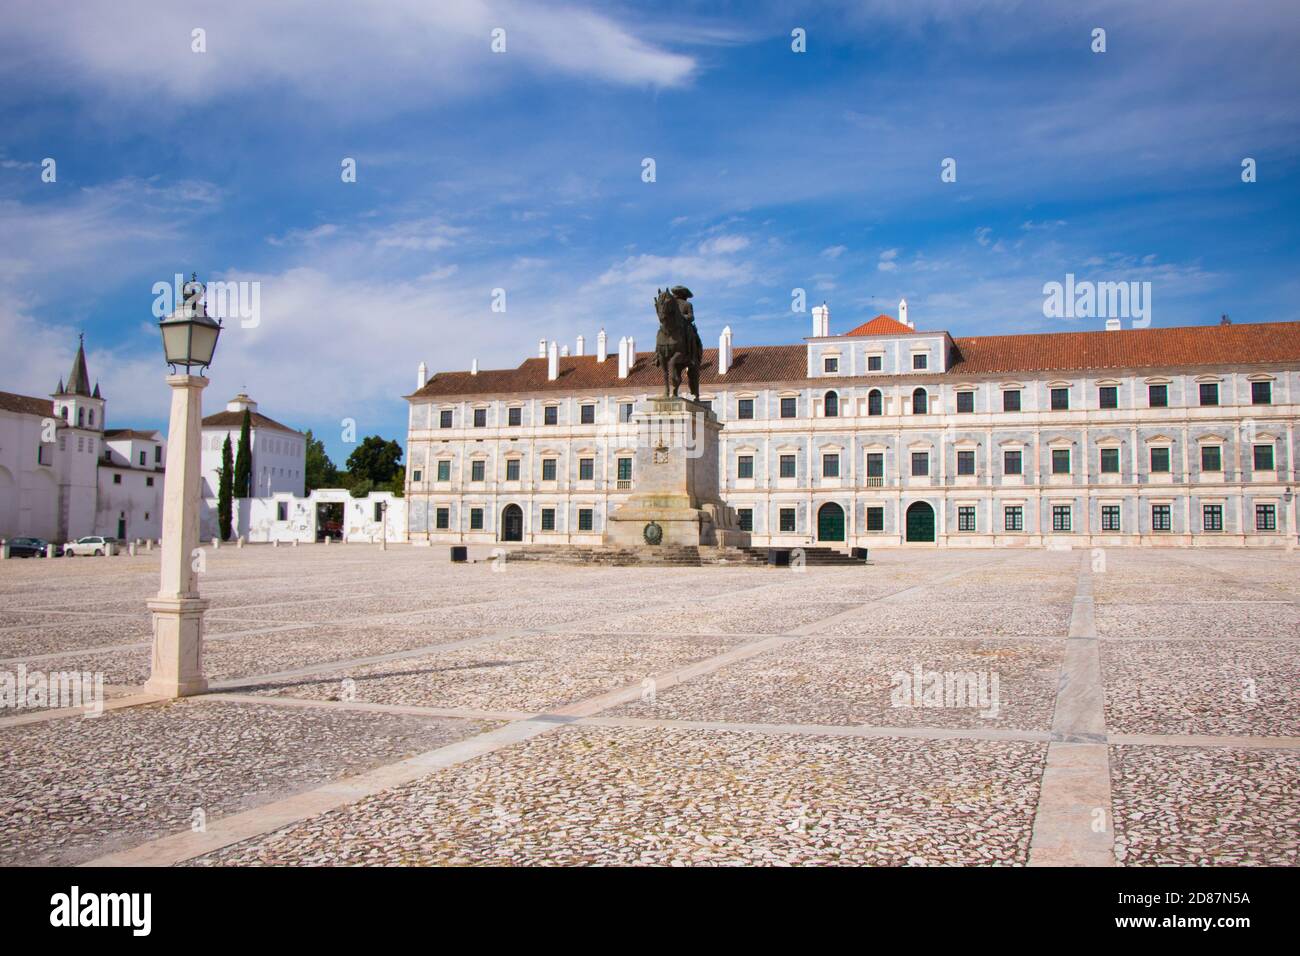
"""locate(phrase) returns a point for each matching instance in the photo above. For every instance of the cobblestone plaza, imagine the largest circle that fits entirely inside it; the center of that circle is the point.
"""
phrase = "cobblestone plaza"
(387, 707)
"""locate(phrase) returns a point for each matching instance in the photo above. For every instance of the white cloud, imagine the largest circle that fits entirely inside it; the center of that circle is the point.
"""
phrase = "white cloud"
(723, 245)
(888, 261)
(834, 252)
(983, 234)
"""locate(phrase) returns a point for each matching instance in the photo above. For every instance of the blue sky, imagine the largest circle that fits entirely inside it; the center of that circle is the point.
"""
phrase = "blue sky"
(775, 170)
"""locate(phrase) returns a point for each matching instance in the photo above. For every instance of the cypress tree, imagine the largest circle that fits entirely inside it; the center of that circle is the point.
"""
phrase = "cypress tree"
(244, 460)
(224, 488)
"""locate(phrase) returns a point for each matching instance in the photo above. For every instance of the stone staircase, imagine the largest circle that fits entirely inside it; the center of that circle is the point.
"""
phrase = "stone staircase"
(671, 556)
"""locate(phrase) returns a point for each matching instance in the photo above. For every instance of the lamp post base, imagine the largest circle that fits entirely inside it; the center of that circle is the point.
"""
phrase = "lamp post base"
(177, 647)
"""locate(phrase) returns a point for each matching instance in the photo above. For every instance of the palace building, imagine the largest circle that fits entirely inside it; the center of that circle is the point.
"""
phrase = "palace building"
(889, 436)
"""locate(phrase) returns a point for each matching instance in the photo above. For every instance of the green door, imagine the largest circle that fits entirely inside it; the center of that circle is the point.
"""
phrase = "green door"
(920, 522)
(830, 523)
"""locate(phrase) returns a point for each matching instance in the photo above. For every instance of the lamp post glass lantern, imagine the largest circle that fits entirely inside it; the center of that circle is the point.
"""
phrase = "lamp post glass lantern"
(189, 334)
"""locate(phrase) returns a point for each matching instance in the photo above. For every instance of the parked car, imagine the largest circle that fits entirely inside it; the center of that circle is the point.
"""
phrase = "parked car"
(92, 544)
(31, 548)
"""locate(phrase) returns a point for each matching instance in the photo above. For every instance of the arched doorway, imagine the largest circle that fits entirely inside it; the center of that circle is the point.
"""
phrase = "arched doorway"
(512, 523)
(920, 522)
(830, 522)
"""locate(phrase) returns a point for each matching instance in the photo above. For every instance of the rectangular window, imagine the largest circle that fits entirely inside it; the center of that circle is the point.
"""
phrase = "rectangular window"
(625, 412)
(1212, 517)
(625, 469)
(157, 454)
(1263, 457)
(416, 475)
(1013, 518)
(965, 402)
(745, 408)
(142, 459)
(920, 464)
(1261, 393)
(475, 519)
(789, 407)
(480, 418)
(746, 518)
(476, 470)
(787, 521)
(830, 466)
(745, 466)
(966, 518)
(1108, 396)
(548, 519)
(1013, 463)
(548, 469)
(1110, 461)
(1060, 461)
(148, 482)
(444, 418)
(875, 464)
(587, 414)
(514, 416)
(117, 479)
(586, 469)
(1061, 517)
(965, 462)
(830, 364)
(1211, 458)
(1110, 517)
(920, 361)
(1158, 396)
(1060, 399)
(1160, 460)
(584, 519)
(875, 519)
(282, 511)
(874, 363)
(442, 519)
(1265, 517)
(444, 471)
(1209, 393)
(512, 469)
(1011, 400)
(551, 415)
(1160, 518)
(788, 466)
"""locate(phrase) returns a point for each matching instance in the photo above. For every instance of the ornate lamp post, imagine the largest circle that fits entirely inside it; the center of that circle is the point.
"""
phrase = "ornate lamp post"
(189, 338)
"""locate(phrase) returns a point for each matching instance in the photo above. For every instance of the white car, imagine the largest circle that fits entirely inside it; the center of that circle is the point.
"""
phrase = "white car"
(91, 544)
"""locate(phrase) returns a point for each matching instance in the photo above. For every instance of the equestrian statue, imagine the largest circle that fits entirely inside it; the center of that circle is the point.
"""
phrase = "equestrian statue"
(677, 346)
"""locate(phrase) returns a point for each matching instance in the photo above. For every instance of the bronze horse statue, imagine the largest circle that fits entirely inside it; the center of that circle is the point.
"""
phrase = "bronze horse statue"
(677, 346)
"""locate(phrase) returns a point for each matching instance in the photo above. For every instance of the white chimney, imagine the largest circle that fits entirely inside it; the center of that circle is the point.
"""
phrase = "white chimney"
(631, 352)
(421, 375)
(1114, 325)
(552, 363)
(724, 351)
(541, 348)
(902, 313)
(622, 357)
(602, 347)
(473, 367)
(582, 346)
(564, 351)
(821, 316)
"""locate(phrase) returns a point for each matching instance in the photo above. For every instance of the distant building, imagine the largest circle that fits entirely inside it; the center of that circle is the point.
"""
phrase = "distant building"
(279, 452)
(886, 435)
(63, 476)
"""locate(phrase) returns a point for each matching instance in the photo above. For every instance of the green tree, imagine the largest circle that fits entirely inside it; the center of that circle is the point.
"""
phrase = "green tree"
(374, 460)
(244, 459)
(319, 471)
(224, 489)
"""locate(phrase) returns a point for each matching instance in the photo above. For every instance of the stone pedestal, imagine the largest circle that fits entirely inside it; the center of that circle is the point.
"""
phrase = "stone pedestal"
(177, 667)
(675, 481)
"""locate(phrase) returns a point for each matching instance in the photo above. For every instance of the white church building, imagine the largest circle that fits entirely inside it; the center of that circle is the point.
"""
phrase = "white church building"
(279, 452)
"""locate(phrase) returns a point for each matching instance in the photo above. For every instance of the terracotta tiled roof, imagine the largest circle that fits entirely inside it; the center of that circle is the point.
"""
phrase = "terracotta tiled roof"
(881, 325)
(1239, 344)
(234, 420)
(1209, 345)
(113, 433)
(26, 405)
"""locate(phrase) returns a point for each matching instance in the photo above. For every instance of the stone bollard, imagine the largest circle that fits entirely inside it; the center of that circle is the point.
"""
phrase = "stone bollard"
(4, 550)
(110, 549)
(130, 549)
(148, 545)
(216, 544)
(49, 550)
(239, 543)
(295, 542)
(327, 539)
(275, 543)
